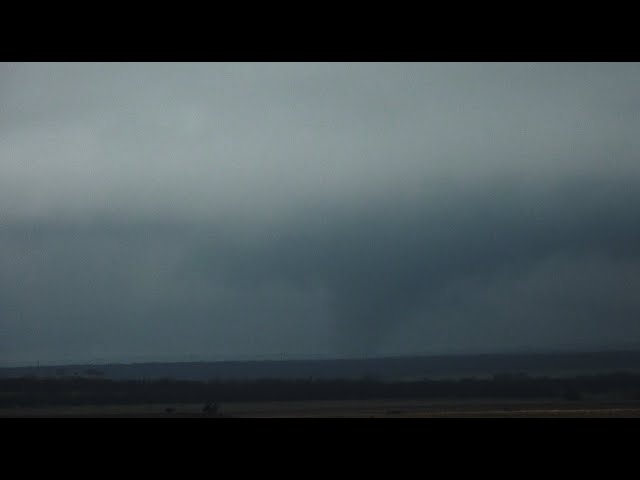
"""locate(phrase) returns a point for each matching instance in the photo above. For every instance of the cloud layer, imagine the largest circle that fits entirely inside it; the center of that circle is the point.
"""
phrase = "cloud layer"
(227, 210)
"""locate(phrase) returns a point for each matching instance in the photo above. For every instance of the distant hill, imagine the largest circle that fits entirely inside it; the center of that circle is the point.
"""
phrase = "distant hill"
(390, 368)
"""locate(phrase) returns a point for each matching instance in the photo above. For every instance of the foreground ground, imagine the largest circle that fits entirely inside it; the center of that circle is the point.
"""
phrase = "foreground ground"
(363, 409)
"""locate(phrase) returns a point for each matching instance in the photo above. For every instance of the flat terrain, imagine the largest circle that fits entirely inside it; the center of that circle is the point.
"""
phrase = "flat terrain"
(414, 408)
(389, 368)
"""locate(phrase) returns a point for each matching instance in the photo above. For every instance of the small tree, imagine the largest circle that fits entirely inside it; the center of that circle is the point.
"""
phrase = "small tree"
(210, 408)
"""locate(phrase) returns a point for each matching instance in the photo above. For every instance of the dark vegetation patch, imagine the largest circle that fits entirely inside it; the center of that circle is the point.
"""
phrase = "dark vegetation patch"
(34, 391)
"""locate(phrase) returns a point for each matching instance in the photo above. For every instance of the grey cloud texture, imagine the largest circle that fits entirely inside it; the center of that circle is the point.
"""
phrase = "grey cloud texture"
(168, 210)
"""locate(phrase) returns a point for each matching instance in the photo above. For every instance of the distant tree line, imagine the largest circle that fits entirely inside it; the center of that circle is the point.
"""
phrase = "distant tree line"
(33, 391)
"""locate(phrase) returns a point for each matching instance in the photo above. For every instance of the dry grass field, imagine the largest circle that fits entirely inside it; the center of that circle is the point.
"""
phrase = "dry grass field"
(349, 409)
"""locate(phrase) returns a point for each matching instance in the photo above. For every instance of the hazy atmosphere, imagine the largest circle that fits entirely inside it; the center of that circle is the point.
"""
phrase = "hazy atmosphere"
(229, 211)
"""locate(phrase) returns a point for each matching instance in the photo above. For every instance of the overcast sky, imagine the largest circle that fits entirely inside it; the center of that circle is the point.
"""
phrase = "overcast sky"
(204, 211)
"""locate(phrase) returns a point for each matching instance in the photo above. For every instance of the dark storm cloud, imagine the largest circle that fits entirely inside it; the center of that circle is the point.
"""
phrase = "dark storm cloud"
(164, 211)
(385, 266)
(476, 274)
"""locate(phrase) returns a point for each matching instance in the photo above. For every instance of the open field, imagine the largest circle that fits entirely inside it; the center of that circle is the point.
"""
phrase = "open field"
(413, 408)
